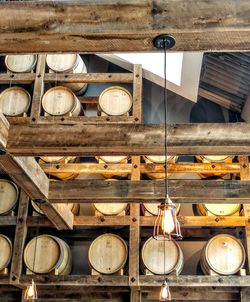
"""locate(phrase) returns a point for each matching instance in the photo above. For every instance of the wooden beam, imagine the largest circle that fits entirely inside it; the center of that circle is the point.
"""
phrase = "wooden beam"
(135, 294)
(47, 281)
(105, 168)
(125, 139)
(17, 78)
(106, 26)
(134, 234)
(89, 77)
(4, 130)
(245, 175)
(29, 176)
(20, 239)
(187, 191)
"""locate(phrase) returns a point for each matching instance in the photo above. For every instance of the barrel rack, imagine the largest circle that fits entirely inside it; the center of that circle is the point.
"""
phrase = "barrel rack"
(40, 78)
(34, 184)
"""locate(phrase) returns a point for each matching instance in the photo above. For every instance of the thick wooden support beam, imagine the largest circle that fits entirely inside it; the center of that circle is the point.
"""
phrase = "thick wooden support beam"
(135, 294)
(186, 191)
(99, 168)
(4, 131)
(20, 239)
(86, 26)
(29, 176)
(77, 140)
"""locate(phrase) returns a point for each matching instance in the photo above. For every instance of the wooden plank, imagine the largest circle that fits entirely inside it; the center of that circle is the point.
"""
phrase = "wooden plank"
(76, 281)
(137, 93)
(187, 191)
(89, 77)
(99, 168)
(186, 221)
(20, 238)
(194, 294)
(197, 281)
(47, 281)
(136, 139)
(134, 234)
(7, 220)
(17, 78)
(245, 175)
(74, 120)
(38, 89)
(4, 130)
(106, 26)
(202, 221)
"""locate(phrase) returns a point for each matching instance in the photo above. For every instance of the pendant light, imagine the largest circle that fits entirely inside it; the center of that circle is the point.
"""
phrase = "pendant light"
(30, 293)
(166, 224)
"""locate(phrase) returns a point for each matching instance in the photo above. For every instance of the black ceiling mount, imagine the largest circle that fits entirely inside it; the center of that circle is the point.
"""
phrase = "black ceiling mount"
(164, 42)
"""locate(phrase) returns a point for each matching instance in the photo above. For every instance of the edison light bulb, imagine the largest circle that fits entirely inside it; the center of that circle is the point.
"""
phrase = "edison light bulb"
(30, 293)
(165, 292)
(167, 223)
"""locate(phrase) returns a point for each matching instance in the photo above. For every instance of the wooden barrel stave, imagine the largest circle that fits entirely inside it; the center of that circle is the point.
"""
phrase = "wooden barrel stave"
(223, 254)
(9, 194)
(21, 63)
(108, 254)
(59, 259)
(153, 256)
(61, 101)
(115, 101)
(6, 251)
(68, 63)
(15, 101)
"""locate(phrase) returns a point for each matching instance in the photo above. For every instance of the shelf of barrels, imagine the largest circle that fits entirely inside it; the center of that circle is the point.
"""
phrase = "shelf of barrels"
(110, 254)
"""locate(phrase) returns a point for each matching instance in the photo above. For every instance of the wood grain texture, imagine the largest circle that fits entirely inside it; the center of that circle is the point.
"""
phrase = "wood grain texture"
(206, 138)
(106, 168)
(181, 191)
(17, 78)
(4, 130)
(20, 239)
(134, 233)
(128, 26)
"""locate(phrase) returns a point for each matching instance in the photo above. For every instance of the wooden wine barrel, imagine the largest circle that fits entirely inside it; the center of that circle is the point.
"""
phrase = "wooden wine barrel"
(68, 63)
(153, 256)
(223, 254)
(115, 100)
(9, 194)
(60, 101)
(108, 254)
(204, 209)
(113, 160)
(110, 209)
(74, 208)
(6, 251)
(152, 208)
(21, 63)
(52, 253)
(158, 159)
(14, 101)
(60, 160)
